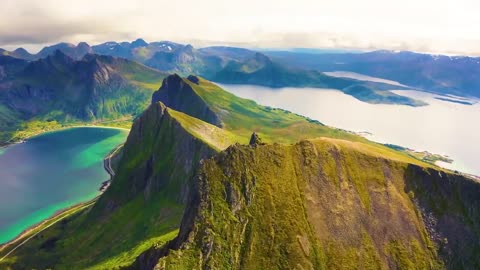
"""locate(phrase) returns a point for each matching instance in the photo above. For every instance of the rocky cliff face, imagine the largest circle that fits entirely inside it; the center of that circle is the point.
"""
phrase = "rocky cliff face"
(176, 203)
(450, 207)
(177, 94)
(156, 140)
(322, 204)
(141, 209)
(66, 90)
(159, 160)
(79, 88)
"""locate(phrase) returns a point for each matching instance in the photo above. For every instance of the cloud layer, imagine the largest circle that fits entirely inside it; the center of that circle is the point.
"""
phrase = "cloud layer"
(431, 26)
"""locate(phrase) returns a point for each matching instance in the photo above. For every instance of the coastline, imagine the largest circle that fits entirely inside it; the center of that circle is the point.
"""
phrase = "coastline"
(107, 165)
(31, 231)
(23, 140)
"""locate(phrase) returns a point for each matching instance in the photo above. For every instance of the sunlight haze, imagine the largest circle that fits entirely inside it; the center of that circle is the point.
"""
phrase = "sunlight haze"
(427, 26)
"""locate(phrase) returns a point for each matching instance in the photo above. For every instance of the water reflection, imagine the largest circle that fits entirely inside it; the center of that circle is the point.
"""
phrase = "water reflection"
(442, 127)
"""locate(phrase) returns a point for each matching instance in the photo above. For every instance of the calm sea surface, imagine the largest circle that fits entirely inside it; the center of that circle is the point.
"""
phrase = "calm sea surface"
(51, 172)
(442, 127)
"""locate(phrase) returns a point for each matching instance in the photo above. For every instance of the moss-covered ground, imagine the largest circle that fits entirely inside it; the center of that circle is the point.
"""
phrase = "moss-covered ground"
(336, 201)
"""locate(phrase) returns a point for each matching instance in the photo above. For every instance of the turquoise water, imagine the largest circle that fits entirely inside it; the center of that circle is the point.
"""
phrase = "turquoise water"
(51, 172)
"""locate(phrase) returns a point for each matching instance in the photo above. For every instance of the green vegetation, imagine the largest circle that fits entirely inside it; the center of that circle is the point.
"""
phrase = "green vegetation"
(31, 233)
(423, 156)
(303, 206)
(58, 91)
(242, 116)
(26, 130)
(312, 197)
(32, 128)
(217, 138)
(132, 215)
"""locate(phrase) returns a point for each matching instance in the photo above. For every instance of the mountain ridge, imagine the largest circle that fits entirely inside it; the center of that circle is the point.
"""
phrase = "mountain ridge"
(61, 89)
(439, 74)
(188, 195)
(227, 65)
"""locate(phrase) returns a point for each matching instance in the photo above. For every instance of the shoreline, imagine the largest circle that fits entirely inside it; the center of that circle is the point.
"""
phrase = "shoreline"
(107, 165)
(58, 214)
(27, 231)
(7, 144)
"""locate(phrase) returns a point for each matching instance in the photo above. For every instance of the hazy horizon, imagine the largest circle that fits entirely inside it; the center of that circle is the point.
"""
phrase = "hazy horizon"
(439, 27)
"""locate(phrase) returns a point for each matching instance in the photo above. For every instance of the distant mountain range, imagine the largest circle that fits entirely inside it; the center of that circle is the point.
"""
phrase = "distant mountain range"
(222, 64)
(60, 88)
(435, 73)
(194, 189)
(68, 83)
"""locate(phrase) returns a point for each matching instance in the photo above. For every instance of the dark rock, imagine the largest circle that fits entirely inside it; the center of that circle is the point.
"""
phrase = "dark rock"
(177, 94)
(193, 79)
(255, 140)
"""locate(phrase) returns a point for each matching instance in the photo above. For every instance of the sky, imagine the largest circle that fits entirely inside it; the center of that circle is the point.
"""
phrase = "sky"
(448, 27)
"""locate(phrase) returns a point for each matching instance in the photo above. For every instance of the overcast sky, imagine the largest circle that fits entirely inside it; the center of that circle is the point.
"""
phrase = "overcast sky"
(422, 25)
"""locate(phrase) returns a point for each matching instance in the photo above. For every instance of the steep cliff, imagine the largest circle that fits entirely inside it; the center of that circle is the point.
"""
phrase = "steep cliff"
(59, 88)
(177, 94)
(327, 204)
(143, 206)
(300, 195)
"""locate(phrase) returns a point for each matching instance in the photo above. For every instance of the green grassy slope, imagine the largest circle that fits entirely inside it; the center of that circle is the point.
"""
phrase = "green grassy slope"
(339, 201)
(144, 205)
(325, 204)
(58, 88)
(243, 116)
(261, 70)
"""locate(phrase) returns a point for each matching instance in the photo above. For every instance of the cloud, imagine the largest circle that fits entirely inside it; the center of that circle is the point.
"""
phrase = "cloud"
(431, 26)
(42, 22)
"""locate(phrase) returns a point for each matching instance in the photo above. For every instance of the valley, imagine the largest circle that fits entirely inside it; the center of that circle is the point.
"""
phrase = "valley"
(192, 189)
(235, 159)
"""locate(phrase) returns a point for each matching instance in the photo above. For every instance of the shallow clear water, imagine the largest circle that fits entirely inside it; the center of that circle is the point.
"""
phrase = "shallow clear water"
(51, 172)
(441, 127)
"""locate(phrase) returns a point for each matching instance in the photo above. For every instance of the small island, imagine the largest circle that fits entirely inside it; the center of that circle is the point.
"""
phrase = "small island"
(463, 102)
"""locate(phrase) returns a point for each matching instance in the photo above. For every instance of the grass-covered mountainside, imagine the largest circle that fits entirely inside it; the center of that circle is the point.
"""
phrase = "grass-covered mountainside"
(226, 65)
(58, 90)
(436, 73)
(261, 70)
(326, 204)
(193, 191)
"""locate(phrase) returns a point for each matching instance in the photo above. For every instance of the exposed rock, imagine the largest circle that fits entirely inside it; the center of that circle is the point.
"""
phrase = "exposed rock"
(193, 79)
(295, 206)
(255, 140)
(177, 94)
(92, 88)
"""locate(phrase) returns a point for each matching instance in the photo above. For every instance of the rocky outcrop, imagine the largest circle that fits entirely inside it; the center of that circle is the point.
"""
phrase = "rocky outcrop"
(159, 156)
(450, 207)
(178, 94)
(323, 205)
(155, 140)
(255, 140)
(150, 192)
(65, 90)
